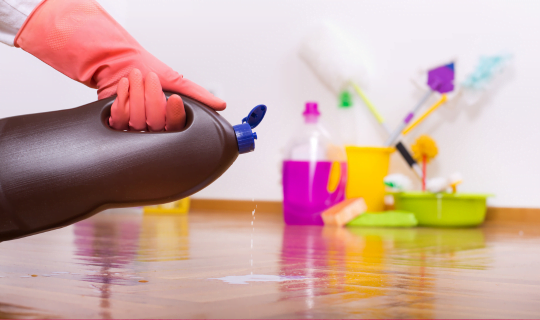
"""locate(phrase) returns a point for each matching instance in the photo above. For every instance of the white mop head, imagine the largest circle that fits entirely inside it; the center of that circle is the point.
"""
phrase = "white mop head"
(333, 57)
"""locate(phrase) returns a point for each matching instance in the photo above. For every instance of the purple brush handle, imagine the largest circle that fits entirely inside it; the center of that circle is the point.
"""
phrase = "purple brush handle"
(394, 136)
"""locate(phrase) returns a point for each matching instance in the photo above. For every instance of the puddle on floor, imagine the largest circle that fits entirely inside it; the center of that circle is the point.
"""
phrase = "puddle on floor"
(257, 278)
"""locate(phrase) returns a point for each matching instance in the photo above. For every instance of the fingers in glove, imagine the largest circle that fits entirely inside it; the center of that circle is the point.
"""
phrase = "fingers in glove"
(137, 112)
(155, 103)
(175, 117)
(119, 119)
(193, 90)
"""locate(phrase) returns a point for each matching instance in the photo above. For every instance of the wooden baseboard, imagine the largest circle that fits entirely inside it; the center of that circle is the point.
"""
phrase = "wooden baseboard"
(236, 205)
(510, 215)
(494, 214)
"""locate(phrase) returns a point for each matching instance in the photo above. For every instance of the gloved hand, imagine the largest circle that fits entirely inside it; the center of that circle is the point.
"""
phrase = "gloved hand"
(81, 40)
(141, 105)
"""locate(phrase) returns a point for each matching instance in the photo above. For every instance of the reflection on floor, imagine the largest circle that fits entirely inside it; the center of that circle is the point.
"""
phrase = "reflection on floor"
(117, 265)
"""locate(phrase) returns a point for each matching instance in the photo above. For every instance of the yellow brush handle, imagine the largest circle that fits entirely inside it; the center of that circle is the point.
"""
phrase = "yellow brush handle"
(368, 103)
(427, 113)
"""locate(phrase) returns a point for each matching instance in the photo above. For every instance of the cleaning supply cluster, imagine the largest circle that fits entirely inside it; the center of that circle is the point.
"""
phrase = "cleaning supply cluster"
(330, 180)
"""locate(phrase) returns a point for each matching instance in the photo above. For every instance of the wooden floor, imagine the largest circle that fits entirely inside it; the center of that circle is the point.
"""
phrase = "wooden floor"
(125, 265)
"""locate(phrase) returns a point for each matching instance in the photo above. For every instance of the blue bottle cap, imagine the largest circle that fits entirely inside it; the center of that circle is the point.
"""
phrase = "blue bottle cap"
(255, 116)
(244, 135)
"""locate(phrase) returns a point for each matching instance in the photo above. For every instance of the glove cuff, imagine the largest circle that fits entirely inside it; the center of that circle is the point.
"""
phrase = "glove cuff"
(81, 40)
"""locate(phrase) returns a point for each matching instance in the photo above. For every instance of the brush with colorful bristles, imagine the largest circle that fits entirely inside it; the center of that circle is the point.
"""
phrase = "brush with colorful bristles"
(441, 80)
(479, 81)
(473, 87)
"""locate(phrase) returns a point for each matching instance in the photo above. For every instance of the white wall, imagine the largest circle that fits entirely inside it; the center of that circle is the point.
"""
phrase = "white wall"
(246, 52)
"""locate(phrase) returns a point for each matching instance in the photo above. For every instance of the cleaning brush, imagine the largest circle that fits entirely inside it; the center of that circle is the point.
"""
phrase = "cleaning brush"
(440, 79)
(333, 56)
(335, 59)
(473, 87)
(478, 82)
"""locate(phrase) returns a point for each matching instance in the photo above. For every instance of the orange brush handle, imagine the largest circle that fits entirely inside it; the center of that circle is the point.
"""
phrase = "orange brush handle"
(426, 114)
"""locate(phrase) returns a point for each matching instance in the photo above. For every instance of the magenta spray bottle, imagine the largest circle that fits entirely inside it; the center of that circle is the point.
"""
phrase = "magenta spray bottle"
(314, 172)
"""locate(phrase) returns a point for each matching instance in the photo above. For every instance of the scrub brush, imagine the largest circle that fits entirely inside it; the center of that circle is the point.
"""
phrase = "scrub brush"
(424, 149)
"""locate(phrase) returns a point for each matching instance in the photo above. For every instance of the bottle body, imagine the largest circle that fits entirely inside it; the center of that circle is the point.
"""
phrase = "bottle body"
(310, 188)
(61, 167)
(314, 174)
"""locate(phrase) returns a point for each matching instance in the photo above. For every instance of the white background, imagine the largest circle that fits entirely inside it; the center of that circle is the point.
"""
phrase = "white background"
(246, 52)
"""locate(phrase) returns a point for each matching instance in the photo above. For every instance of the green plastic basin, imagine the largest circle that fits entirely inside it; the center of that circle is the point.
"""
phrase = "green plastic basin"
(443, 209)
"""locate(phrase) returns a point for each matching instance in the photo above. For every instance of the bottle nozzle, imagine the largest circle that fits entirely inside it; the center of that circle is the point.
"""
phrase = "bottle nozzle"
(244, 134)
(311, 113)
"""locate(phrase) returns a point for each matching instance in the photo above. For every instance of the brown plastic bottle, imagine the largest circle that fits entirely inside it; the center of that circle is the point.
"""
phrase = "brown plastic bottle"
(57, 168)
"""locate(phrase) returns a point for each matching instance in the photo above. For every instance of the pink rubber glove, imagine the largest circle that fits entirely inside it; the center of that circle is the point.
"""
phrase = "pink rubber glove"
(81, 40)
(141, 105)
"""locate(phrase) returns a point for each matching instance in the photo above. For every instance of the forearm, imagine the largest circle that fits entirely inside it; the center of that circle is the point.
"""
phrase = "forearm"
(13, 13)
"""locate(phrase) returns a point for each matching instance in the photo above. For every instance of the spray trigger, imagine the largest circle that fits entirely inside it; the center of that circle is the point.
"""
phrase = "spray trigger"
(255, 116)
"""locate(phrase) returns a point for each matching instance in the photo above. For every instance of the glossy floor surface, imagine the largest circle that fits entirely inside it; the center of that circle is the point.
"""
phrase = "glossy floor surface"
(120, 265)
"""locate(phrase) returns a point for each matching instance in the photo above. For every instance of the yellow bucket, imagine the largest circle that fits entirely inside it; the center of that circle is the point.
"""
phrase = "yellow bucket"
(366, 169)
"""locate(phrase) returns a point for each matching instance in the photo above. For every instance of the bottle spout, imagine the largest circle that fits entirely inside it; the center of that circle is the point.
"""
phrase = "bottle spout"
(244, 133)
(311, 114)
